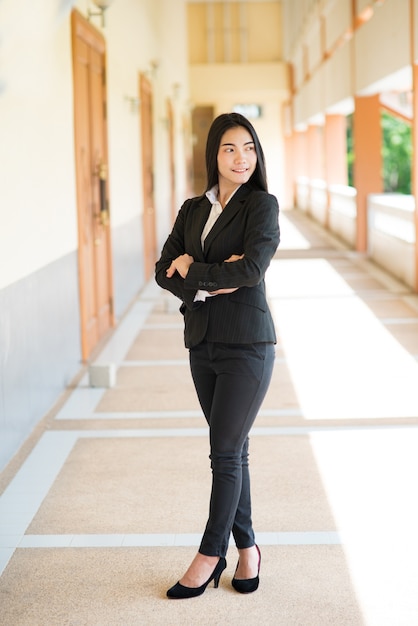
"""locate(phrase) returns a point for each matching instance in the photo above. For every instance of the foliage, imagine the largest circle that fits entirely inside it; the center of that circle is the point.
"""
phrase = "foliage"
(350, 150)
(396, 154)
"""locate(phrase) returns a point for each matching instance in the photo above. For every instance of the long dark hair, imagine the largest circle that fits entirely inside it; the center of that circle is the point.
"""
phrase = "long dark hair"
(219, 126)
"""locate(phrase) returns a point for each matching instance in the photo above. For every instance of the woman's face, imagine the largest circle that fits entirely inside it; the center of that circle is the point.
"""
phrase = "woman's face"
(237, 158)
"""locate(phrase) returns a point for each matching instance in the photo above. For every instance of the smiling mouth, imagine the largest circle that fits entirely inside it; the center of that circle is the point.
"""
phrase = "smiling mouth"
(242, 171)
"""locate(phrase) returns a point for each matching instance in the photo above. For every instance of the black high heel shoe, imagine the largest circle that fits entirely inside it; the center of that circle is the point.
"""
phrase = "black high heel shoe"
(248, 585)
(179, 591)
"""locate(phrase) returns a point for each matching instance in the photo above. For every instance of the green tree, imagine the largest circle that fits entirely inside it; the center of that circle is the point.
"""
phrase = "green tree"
(350, 150)
(396, 154)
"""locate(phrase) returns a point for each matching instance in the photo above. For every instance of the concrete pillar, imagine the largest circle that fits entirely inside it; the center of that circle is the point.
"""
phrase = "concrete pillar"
(336, 150)
(300, 158)
(300, 153)
(315, 152)
(289, 193)
(367, 136)
(335, 145)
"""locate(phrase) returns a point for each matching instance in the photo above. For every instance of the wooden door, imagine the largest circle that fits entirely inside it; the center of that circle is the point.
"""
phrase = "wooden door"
(94, 245)
(170, 124)
(202, 118)
(149, 227)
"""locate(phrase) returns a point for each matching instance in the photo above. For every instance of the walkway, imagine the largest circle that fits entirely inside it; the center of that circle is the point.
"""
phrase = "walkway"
(104, 506)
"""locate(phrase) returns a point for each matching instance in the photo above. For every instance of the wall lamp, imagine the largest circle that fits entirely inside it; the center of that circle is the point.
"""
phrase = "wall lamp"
(102, 5)
(135, 103)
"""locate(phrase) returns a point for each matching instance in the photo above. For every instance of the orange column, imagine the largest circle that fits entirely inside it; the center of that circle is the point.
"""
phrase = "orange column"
(315, 152)
(335, 141)
(415, 164)
(315, 158)
(336, 150)
(300, 153)
(367, 159)
(300, 157)
(288, 198)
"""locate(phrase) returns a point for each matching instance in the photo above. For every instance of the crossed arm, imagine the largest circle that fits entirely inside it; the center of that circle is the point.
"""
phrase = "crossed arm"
(182, 263)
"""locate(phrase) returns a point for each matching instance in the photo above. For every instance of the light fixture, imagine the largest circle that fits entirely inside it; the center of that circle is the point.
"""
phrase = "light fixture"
(176, 88)
(135, 103)
(102, 5)
(154, 65)
(250, 111)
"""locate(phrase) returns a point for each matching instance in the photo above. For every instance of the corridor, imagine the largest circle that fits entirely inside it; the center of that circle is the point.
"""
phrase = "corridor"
(103, 508)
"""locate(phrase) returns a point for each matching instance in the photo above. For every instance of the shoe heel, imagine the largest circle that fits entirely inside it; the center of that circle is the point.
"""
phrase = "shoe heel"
(221, 566)
(180, 591)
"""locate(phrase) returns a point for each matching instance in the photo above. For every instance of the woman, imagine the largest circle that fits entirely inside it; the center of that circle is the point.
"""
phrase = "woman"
(215, 260)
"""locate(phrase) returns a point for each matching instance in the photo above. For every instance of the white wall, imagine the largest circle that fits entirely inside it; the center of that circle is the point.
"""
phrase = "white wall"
(37, 174)
(338, 82)
(382, 45)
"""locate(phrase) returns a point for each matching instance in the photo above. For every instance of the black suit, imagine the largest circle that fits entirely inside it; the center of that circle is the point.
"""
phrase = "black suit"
(231, 338)
(248, 225)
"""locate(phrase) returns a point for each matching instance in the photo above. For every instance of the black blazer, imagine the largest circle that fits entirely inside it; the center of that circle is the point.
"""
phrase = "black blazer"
(248, 225)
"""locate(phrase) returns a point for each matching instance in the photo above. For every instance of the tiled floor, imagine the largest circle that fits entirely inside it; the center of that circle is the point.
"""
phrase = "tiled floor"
(109, 506)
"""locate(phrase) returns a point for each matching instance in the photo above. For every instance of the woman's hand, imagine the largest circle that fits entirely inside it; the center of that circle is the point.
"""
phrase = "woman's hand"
(220, 291)
(180, 265)
(232, 258)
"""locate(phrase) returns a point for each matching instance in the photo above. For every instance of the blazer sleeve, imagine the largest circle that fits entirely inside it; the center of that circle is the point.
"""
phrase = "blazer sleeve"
(261, 238)
(174, 247)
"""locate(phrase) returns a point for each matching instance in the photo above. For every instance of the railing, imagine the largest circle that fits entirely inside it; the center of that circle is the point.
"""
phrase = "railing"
(343, 213)
(391, 234)
(334, 207)
(319, 201)
(302, 193)
(391, 222)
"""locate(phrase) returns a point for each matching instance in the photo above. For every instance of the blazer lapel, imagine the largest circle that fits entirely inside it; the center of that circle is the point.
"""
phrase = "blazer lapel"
(199, 218)
(227, 215)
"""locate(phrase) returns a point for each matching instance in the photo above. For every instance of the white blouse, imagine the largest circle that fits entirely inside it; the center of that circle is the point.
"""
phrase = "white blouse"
(215, 212)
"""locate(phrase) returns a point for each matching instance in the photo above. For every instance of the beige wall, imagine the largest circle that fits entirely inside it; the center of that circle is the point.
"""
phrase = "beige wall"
(37, 208)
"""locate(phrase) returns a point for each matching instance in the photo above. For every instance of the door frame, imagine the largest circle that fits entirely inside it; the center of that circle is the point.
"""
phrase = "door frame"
(147, 156)
(90, 340)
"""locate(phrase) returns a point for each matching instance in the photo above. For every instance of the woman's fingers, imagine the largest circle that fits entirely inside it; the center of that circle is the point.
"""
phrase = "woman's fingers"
(171, 270)
(221, 291)
(181, 265)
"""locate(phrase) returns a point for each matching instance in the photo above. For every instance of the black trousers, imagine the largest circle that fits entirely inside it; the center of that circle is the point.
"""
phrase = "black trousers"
(231, 381)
